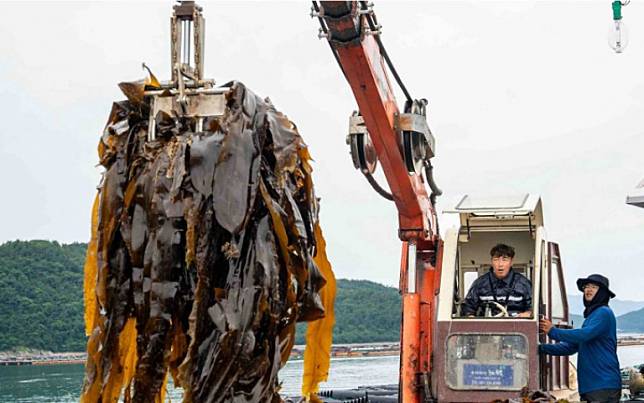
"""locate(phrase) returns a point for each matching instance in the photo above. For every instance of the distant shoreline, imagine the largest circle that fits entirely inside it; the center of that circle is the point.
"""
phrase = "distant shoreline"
(43, 358)
(337, 351)
(356, 350)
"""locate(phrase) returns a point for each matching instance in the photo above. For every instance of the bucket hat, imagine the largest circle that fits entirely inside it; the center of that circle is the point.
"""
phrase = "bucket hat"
(596, 279)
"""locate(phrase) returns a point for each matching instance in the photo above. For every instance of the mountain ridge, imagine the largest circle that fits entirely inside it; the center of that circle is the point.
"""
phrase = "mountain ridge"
(619, 306)
(41, 302)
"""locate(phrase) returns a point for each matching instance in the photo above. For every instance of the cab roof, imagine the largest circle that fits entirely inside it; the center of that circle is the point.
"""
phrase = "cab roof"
(521, 211)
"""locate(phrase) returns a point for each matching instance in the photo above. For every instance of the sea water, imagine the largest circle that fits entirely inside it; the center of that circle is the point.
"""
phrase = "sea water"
(62, 383)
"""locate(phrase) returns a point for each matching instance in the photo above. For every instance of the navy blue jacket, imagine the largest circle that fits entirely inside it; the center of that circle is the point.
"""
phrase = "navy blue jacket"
(514, 292)
(596, 343)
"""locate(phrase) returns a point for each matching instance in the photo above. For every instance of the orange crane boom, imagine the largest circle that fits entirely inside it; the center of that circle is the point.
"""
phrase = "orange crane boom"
(403, 144)
(359, 54)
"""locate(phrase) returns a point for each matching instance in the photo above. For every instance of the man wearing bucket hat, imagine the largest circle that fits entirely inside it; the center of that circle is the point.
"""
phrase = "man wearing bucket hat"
(596, 342)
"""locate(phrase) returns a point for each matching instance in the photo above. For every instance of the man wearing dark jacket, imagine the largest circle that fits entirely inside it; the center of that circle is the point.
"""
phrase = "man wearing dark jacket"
(596, 342)
(501, 286)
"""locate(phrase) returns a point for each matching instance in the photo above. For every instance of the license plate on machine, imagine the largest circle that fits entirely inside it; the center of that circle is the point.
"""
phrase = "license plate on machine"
(488, 375)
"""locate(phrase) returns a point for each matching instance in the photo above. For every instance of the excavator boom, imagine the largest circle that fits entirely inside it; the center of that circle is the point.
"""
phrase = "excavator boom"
(358, 51)
(403, 145)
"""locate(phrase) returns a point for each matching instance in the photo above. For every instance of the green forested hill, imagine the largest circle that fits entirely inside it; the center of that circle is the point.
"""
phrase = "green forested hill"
(41, 301)
(631, 322)
(364, 312)
(41, 296)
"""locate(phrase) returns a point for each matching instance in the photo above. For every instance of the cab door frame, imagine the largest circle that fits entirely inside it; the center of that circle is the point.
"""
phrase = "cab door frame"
(555, 369)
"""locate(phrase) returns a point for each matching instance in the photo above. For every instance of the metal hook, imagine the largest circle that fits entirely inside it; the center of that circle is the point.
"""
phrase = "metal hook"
(322, 34)
(377, 31)
(318, 14)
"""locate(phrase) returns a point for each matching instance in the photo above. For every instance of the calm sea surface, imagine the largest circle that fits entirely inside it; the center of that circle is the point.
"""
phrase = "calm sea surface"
(61, 383)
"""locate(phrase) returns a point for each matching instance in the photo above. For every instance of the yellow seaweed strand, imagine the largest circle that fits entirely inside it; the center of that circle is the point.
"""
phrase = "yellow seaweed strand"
(123, 370)
(127, 348)
(90, 269)
(319, 334)
(287, 335)
(278, 224)
(151, 80)
(91, 392)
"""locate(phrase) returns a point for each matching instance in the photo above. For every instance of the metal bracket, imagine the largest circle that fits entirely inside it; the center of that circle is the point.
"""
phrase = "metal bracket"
(377, 31)
(417, 123)
(342, 22)
(323, 35)
(316, 14)
(197, 103)
(187, 40)
(183, 102)
(356, 127)
(416, 140)
(368, 10)
(363, 153)
(426, 383)
(356, 124)
(188, 94)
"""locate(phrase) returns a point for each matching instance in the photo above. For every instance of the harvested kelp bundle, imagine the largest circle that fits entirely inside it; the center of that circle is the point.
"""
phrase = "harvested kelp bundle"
(206, 250)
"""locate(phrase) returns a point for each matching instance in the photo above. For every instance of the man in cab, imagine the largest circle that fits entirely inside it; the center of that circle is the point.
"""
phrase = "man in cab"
(501, 291)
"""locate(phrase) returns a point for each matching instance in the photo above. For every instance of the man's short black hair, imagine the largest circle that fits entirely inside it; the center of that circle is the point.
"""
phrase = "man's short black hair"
(502, 250)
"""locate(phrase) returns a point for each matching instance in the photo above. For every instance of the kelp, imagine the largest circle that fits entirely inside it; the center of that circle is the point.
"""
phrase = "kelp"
(320, 332)
(206, 249)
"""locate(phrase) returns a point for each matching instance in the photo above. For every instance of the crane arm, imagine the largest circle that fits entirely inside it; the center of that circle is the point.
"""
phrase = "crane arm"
(403, 144)
(354, 39)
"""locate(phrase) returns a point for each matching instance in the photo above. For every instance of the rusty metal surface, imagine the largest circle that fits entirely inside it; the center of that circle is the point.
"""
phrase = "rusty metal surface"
(444, 329)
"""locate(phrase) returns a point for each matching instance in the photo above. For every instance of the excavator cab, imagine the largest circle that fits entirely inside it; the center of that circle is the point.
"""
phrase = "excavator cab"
(494, 355)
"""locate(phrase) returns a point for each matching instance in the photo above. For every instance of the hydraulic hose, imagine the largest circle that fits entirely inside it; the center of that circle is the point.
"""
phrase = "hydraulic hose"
(376, 186)
(429, 175)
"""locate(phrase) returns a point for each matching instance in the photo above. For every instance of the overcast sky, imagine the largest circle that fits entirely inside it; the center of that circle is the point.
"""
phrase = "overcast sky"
(524, 97)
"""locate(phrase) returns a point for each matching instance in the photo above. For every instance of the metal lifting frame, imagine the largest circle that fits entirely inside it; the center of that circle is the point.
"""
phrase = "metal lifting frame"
(188, 94)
